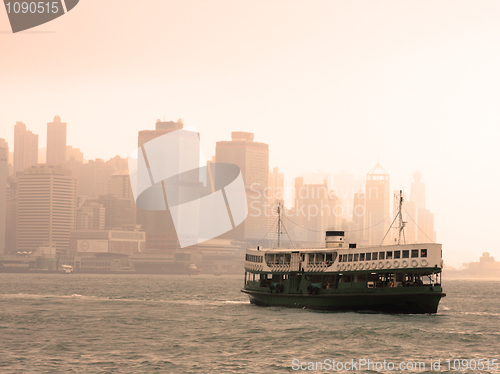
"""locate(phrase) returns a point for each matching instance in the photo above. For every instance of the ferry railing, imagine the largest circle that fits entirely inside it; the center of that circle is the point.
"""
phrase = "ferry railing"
(315, 267)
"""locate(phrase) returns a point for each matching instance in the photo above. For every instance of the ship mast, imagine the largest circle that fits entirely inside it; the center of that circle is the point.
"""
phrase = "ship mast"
(401, 227)
(399, 215)
(279, 224)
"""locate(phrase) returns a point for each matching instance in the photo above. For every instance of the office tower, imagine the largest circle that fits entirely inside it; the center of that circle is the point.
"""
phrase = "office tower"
(11, 163)
(378, 215)
(119, 186)
(275, 195)
(11, 215)
(420, 221)
(25, 148)
(253, 160)
(332, 212)
(56, 142)
(345, 185)
(276, 190)
(313, 210)
(93, 178)
(90, 216)
(4, 173)
(417, 191)
(158, 225)
(46, 208)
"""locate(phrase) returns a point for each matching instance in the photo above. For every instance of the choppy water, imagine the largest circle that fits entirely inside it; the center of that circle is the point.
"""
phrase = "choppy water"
(204, 324)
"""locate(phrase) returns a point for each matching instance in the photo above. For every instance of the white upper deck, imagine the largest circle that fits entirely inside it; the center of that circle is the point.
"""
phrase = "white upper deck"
(339, 257)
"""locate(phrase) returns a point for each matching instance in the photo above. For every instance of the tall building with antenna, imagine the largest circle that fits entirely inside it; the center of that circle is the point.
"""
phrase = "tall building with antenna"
(378, 218)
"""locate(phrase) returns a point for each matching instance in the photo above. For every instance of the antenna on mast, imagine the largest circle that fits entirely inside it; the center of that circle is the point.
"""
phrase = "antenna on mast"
(401, 225)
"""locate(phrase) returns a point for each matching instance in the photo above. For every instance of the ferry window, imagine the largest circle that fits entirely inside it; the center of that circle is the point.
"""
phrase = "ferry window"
(406, 253)
(397, 254)
(368, 256)
(340, 258)
(350, 257)
(329, 257)
(288, 258)
(414, 253)
(361, 257)
(356, 255)
(423, 253)
(389, 255)
(381, 255)
(374, 255)
(344, 258)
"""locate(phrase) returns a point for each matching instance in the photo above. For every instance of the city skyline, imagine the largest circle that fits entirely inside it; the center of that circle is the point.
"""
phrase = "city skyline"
(329, 86)
(255, 167)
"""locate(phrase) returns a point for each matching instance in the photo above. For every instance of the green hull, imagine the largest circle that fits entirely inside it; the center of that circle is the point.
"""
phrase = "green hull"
(413, 301)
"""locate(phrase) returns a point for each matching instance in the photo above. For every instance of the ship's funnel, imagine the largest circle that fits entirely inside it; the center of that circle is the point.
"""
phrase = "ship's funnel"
(334, 239)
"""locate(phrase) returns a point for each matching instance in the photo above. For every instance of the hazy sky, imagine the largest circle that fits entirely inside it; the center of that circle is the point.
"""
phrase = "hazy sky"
(331, 85)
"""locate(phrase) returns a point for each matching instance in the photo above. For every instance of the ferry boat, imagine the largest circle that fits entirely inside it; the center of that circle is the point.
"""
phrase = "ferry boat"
(399, 278)
(67, 269)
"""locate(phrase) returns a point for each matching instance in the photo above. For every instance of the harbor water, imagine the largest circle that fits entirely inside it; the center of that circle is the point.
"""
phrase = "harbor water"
(84, 323)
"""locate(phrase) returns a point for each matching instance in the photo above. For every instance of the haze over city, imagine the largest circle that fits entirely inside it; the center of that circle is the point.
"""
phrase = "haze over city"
(329, 86)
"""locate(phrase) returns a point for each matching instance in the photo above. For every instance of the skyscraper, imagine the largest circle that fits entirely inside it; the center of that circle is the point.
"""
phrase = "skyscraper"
(377, 204)
(91, 216)
(46, 208)
(119, 186)
(25, 148)
(316, 209)
(276, 190)
(420, 223)
(158, 225)
(4, 173)
(11, 216)
(56, 142)
(253, 160)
